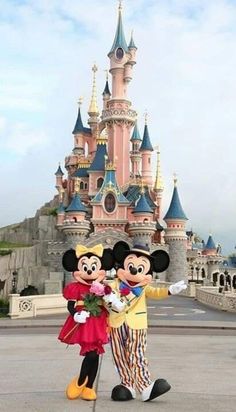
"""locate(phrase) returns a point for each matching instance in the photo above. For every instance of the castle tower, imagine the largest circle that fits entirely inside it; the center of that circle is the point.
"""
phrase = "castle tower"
(118, 117)
(59, 177)
(175, 237)
(74, 226)
(210, 247)
(106, 93)
(78, 133)
(142, 228)
(146, 149)
(135, 155)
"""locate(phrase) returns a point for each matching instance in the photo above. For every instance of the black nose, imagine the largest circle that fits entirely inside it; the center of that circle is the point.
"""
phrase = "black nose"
(89, 272)
(133, 271)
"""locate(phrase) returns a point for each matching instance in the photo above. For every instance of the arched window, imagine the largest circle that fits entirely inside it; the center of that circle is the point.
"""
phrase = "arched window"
(110, 203)
(85, 186)
(234, 282)
(222, 280)
(86, 149)
(99, 182)
(81, 185)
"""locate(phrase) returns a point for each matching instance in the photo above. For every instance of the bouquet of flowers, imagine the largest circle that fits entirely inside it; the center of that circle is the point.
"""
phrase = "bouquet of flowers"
(93, 299)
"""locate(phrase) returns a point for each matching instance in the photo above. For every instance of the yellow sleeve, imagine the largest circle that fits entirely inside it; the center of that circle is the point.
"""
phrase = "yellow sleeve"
(156, 293)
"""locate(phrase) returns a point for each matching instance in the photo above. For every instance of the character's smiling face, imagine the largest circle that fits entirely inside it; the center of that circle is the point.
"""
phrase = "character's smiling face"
(136, 269)
(89, 269)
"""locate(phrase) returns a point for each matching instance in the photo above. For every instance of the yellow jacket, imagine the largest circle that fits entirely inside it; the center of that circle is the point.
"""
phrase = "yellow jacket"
(135, 311)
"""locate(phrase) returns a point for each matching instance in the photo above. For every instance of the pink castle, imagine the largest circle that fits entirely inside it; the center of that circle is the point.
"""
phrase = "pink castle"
(110, 193)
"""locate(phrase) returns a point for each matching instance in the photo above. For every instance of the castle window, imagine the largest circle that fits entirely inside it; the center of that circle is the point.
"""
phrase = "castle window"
(110, 203)
(119, 53)
(99, 182)
(81, 185)
(85, 186)
(149, 160)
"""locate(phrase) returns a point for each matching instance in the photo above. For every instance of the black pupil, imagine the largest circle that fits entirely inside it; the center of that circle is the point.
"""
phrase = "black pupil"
(140, 270)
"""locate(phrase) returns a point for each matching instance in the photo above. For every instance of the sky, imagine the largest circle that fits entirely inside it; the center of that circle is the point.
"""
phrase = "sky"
(184, 78)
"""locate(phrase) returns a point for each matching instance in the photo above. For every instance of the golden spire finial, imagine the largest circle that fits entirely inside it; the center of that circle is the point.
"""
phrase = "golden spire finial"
(93, 108)
(158, 182)
(175, 179)
(77, 185)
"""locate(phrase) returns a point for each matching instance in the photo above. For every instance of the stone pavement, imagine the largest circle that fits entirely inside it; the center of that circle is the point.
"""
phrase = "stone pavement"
(36, 368)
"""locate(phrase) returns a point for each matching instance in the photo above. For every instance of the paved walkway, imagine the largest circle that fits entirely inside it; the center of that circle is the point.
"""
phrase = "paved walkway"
(36, 369)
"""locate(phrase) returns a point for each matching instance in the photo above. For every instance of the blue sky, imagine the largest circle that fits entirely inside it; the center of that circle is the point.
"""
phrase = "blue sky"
(184, 77)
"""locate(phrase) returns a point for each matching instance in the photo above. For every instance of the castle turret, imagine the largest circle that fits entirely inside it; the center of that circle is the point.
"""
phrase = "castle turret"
(210, 248)
(78, 133)
(135, 155)
(118, 117)
(59, 176)
(176, 238)
(106, 93)
(146, 150)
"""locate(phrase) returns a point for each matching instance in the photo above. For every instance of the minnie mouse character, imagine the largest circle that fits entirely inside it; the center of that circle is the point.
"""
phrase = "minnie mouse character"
(87, 324)
(128, 331)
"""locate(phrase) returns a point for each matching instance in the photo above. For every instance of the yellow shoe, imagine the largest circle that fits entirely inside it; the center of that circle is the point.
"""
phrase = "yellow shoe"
(73, 390)
(89, 394)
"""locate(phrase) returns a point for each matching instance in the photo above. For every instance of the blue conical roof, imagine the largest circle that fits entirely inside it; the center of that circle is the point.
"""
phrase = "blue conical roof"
(131, 43)
(98, 162)
(146, 143)
(142, 205)
(119, 40)
(106, 89)
(110, 184)
(79, 128)
(210, 243)
(76, 205)
(59, 172)
(175, 210)
(135, 134)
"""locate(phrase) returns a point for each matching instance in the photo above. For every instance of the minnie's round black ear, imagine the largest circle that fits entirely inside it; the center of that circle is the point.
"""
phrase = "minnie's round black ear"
(70, 261)
(161, 260)
(107, 259)
(120, 251)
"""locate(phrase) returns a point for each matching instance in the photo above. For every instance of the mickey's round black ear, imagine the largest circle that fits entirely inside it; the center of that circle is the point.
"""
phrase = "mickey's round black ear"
(70, 261)
(107, 259)
(161, 260)
(119, 251)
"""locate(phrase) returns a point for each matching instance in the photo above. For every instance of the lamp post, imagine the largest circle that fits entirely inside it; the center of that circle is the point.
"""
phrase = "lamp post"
(192, 268)
(197, 270)
(14, 281)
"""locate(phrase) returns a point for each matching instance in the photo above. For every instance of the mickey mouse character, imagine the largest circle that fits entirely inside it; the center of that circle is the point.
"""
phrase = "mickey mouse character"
(88, 328)
(128, 331)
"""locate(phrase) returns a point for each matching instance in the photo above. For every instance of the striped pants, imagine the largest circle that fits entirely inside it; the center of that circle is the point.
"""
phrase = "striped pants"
(128, 349)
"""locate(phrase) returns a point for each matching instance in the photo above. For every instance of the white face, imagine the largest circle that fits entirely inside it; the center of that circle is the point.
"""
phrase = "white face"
(89, 269)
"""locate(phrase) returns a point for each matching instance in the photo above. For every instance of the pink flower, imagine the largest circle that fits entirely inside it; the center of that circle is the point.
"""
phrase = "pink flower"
(97, 288)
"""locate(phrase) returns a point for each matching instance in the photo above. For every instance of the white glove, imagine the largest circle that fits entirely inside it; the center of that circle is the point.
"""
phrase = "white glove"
(177, 287)
(81, 317)
(113, 301)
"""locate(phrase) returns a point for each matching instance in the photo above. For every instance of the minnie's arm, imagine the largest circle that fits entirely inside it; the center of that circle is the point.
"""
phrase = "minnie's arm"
(71, 307)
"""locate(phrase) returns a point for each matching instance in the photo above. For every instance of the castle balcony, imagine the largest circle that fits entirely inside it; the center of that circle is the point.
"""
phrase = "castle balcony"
(119, 115)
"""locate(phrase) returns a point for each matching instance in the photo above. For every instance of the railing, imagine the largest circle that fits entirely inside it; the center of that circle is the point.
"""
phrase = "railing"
(32, 306)
(224, 301)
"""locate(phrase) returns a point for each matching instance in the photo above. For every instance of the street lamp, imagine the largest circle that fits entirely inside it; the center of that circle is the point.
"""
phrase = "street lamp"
(14, 281)
(197, 270)
(192, 269)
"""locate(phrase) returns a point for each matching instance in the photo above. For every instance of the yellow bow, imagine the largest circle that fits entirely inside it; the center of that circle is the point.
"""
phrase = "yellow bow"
(83, 250)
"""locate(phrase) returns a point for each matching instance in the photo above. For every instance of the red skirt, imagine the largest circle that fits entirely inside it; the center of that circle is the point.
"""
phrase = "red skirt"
(91, 336)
